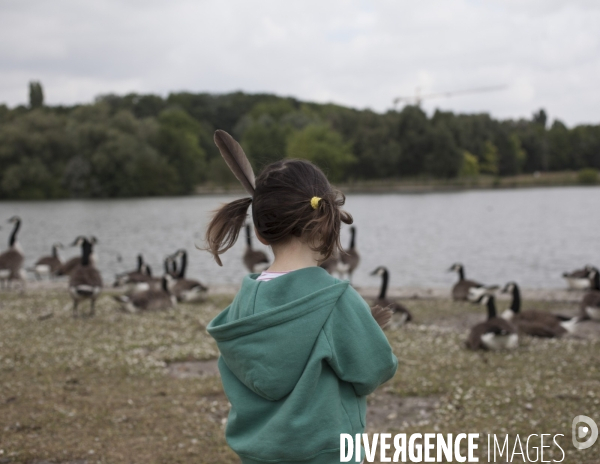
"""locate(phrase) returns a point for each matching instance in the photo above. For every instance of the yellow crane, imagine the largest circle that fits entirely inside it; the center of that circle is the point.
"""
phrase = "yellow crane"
(418, 98)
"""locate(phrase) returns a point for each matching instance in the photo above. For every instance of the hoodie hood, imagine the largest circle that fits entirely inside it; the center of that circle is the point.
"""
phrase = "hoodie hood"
(267, 334)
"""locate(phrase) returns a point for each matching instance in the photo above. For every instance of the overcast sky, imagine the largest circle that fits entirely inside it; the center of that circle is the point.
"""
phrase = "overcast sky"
(356, 53)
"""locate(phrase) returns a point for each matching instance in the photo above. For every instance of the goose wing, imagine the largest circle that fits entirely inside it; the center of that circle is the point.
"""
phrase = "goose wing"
(460, 291)
(576, 274)
(11, 259)
(539, 329)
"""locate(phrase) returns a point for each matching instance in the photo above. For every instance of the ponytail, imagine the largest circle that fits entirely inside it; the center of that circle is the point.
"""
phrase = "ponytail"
(322, 231)
(224, 227)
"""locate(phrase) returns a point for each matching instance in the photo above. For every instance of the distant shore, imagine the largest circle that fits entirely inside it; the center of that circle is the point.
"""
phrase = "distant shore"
(423, 185)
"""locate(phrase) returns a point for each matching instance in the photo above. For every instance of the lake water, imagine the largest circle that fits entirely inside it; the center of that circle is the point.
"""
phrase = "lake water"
(530, 236)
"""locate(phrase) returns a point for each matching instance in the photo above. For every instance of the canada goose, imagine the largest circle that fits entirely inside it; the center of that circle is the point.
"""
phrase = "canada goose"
(349, 259)
(85, 282)
(149, 300)
(579, 279)
(465, 289)
(590, 303)
(48, 265)
(69, 265)
(136, 280)
(11, 261)
(331, 263)
(188, 290)
(254, 260)
(401, 314)
(532, 322)
(493, 334)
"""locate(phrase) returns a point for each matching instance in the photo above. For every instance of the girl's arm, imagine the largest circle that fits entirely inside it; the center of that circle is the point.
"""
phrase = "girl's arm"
(360, 352)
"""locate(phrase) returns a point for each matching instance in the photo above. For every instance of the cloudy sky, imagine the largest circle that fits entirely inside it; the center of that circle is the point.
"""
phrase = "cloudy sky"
(351, 52)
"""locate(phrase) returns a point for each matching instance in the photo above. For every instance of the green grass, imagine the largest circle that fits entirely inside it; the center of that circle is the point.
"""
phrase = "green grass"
(96, 389)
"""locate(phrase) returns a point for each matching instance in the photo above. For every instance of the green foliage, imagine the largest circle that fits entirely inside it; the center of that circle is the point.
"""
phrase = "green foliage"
(178, 140)
(470, 165)
(264, 141)
(324, 147)
(136, 144)
(489, 159)
(588, 176)
(36, 95)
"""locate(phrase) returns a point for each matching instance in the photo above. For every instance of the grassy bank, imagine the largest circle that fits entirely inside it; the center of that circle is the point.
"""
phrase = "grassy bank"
(417, 185)
(99, 390)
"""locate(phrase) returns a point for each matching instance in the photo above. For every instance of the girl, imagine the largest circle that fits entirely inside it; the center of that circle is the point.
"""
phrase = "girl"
(300, 350)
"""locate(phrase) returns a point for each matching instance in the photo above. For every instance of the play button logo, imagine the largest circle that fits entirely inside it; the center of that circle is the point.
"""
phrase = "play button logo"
(587, 432)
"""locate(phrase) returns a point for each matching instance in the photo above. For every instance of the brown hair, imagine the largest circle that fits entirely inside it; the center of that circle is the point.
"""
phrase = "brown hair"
(281, 209)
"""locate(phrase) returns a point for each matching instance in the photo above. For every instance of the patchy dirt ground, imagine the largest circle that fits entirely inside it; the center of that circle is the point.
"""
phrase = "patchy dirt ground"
(122, 388)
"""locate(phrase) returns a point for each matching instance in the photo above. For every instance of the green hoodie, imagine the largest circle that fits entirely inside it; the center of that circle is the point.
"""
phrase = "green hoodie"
(299, 355)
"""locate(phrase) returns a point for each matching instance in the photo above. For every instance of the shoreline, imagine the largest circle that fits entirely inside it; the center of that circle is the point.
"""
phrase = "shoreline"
(416, 185)
(367, 292)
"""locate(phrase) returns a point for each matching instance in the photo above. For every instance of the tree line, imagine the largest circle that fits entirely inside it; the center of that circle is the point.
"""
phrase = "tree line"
(143, 145)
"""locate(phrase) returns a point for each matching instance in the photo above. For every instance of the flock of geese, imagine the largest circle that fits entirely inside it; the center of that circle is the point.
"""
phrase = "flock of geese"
(142, 291)
(497, 331)
(503, 331)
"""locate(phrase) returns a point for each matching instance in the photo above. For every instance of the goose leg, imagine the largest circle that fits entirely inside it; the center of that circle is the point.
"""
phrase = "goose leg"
(75, 303)
(92, 307)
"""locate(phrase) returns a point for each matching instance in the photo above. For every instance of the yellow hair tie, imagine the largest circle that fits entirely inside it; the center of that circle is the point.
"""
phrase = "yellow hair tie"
(314, 202)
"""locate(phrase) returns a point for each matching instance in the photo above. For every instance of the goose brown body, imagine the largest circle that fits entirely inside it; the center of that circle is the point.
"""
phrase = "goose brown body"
(186, 289)
(460, 290)
(11, 260)
(400, 314)
(590, 303)
(532, 322)
(349, 259)
(85, 281)
(153, 299)
(493, 334)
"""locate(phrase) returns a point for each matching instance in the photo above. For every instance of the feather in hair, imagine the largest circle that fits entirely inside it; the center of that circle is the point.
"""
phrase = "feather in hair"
(382, 316)
(236, 159)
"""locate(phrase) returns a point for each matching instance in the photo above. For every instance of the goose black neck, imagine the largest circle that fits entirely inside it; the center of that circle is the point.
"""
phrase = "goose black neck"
(248, 239)
(461, 273)
(13, 236)
(384, 284)
(352, 237)
(183, 265)
(516, 301)
(596, 282)
(54, 251)
(148, 270)
(491, 307)
(165, 285)
(140, 263)
(86, 251)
